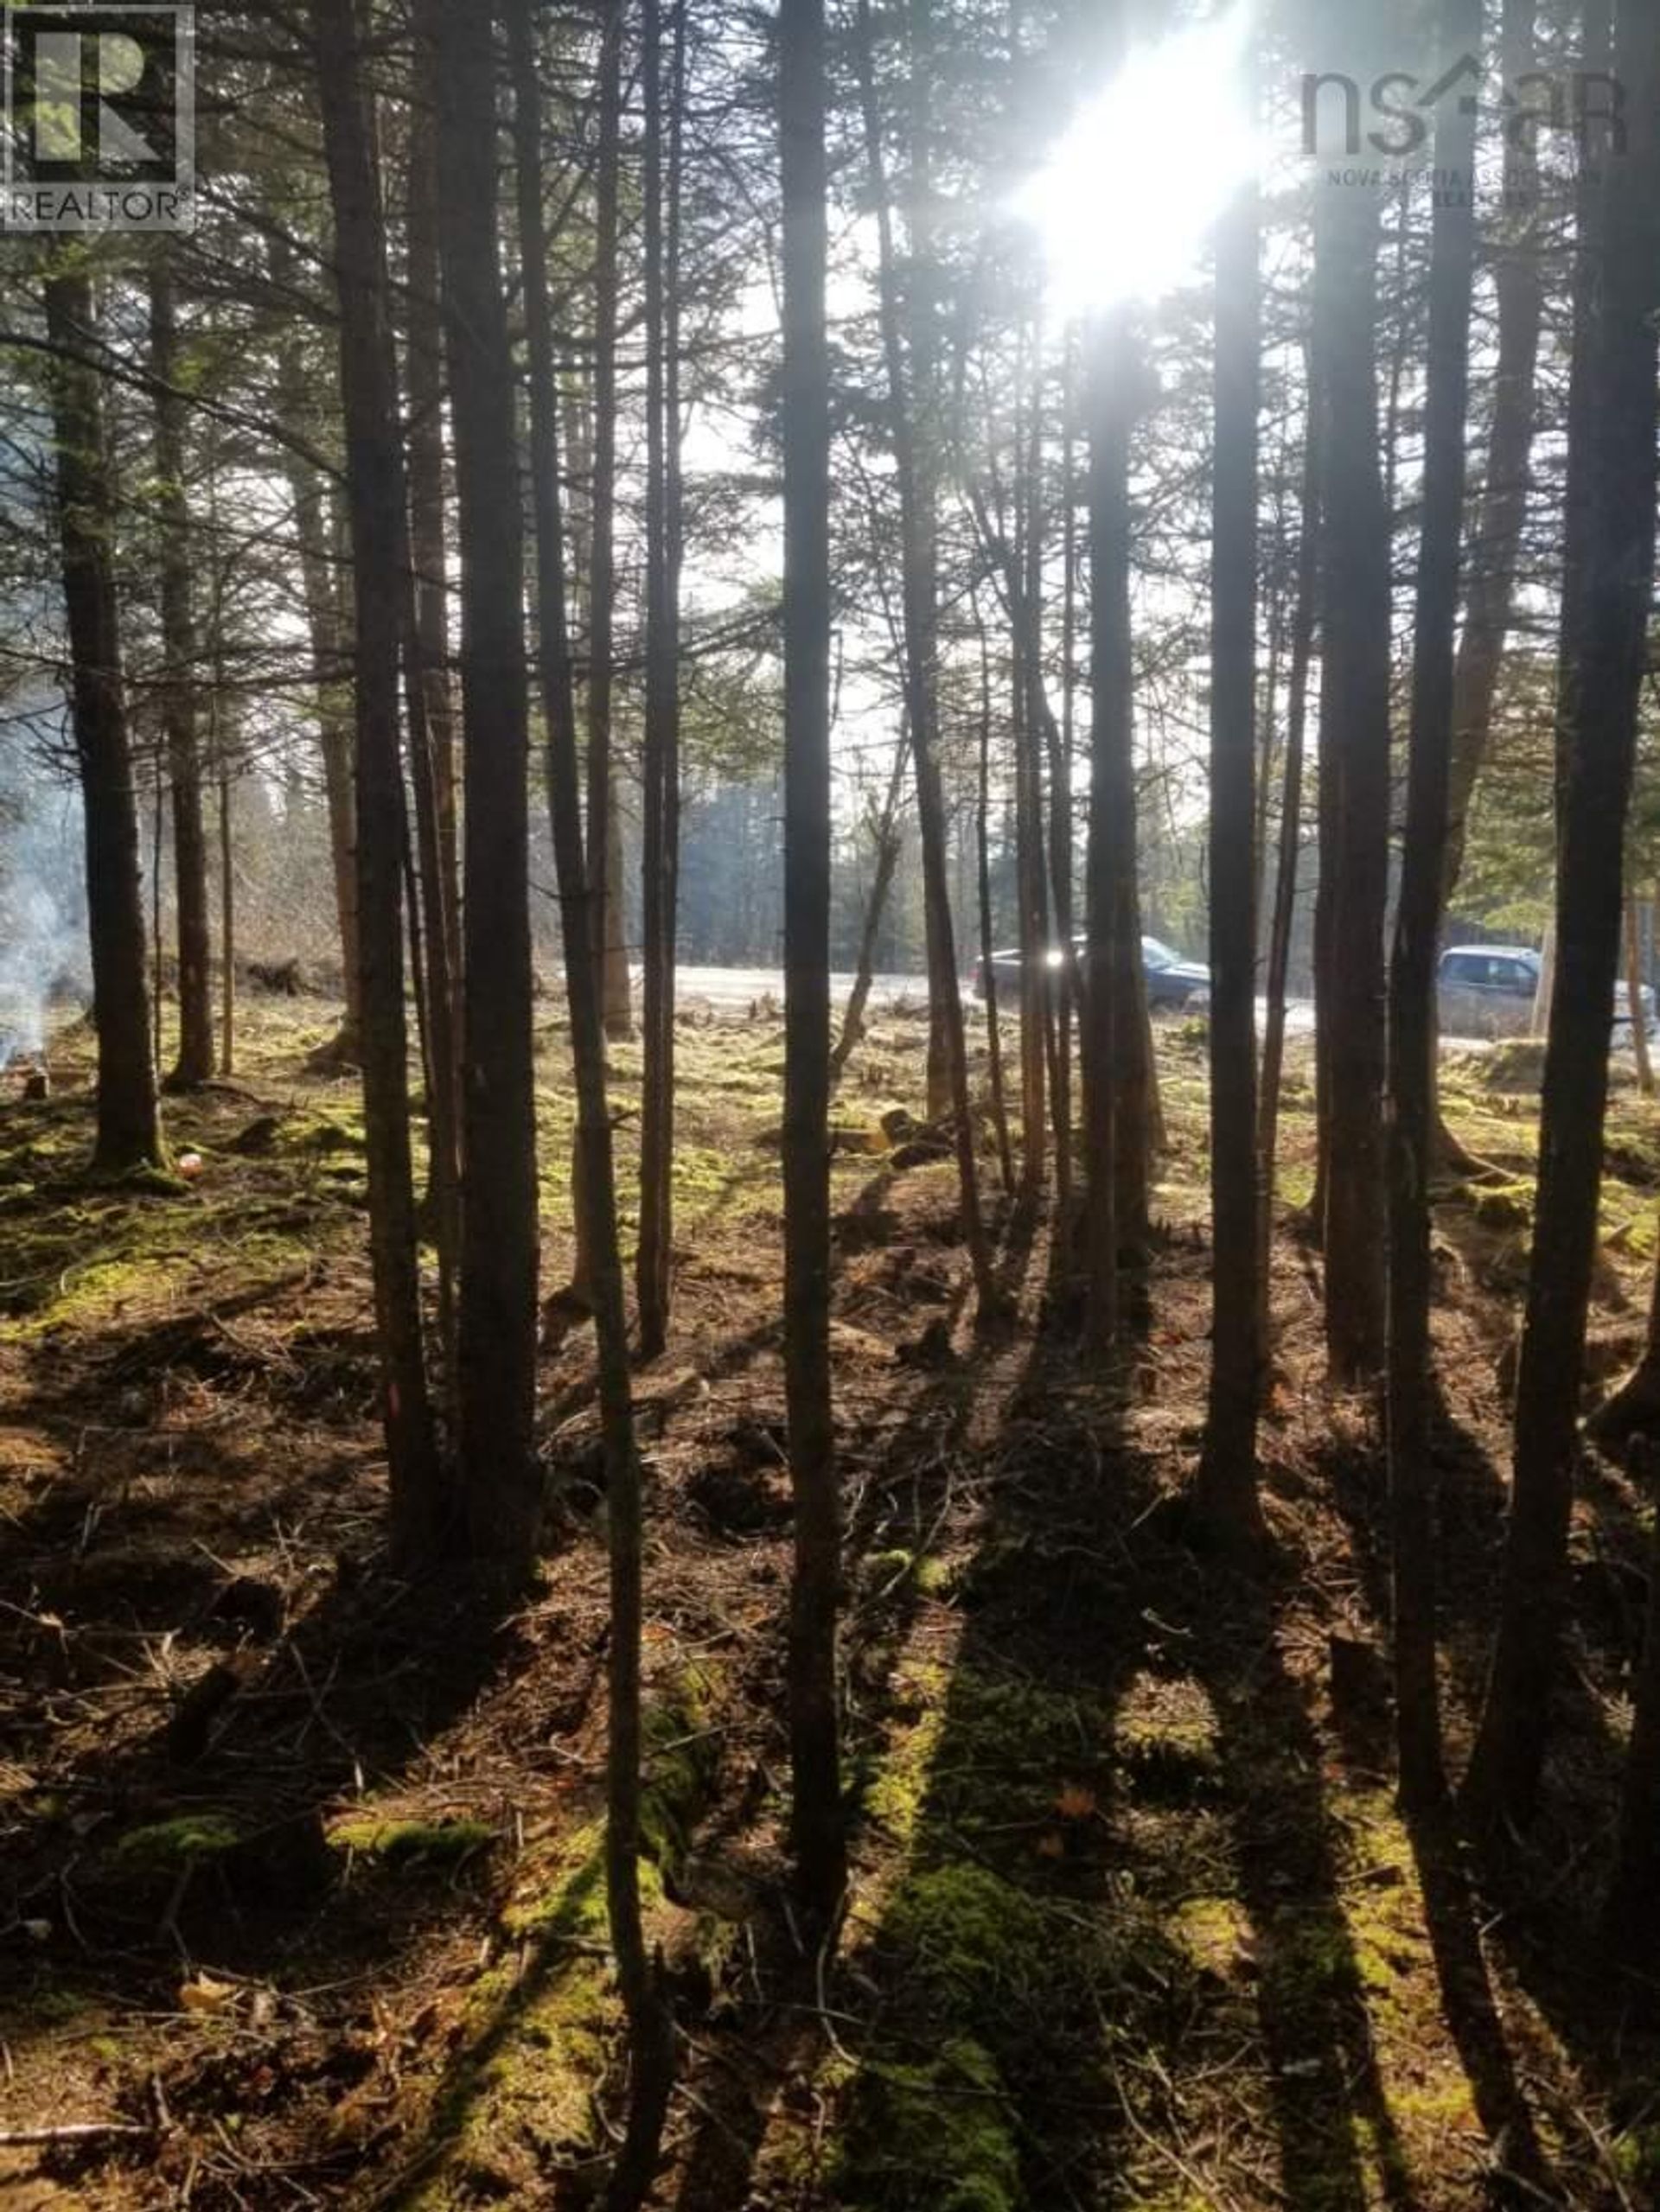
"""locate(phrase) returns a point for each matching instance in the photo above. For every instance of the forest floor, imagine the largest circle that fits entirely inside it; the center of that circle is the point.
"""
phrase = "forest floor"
(301, 1901)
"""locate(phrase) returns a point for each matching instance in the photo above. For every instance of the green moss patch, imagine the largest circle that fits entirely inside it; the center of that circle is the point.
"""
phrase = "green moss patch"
(170, 1846)
(540, 2026)
(412, 1843)
(937, 2135)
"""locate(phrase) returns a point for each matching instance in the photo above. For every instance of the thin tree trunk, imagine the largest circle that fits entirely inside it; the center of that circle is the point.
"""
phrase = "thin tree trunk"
(157, 958)
(374, 491)
(604, 819)
(888, 842)
(1226, 1495)
(918, 316)
(818, 1826)
(1606, 602)
(496, 1331)
(129, 1133)
(227, 928)
(1112, 1013)
(326, 627)
(919, 645)
(194, 1064)
(1039, 985)
(662, 795)
(1062, 745)
(987, 957)
(651, 2029)
(1634, 1009)
(1412, 973)
(433, 743)
(1285, 889)
(1519, 283)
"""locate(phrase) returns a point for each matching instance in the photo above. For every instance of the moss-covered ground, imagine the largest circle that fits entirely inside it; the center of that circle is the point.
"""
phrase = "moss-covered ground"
(304, 1882)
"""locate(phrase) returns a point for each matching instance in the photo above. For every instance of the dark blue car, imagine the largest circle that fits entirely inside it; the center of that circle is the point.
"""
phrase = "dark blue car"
(1172, 982)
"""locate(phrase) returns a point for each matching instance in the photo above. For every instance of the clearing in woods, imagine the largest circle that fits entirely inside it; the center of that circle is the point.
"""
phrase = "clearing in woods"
(302, 1899)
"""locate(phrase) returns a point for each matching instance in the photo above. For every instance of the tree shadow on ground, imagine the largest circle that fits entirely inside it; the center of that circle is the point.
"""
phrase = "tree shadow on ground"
(1095, 1872)
(1529, 1905)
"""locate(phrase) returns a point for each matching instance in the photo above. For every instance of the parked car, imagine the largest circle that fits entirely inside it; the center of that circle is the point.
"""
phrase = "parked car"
(1489, 990)
(1172, 982)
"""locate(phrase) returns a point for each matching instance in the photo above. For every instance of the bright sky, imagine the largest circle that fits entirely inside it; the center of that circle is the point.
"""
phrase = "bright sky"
(1125, 204)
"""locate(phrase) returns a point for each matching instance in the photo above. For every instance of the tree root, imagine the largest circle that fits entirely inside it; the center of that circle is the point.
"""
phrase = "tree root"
(1633, 1411)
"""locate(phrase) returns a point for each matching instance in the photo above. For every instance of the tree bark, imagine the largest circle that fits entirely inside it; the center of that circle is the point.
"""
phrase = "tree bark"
(1634, 1012)
(1519, 283)
(129, 1133)
(944, 989)
(888, 842)
(1285, 889)
(988, 963)
(1604, 612)
(194, 1064)
(374, 491)
(496, 1330)
(1417, 931)
(1226, 1495)
(330, 663)
(1355, 620)
(604, 819)
(433, 737)
(651, 2029)
(1110, 1041)
(1039, 985)
(653, 1262)
(817, 1821)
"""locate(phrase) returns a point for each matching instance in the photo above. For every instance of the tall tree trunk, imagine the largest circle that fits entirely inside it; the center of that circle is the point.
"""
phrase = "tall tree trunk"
(651, 2029)
(653, 1264)
(604, 816)
(194, 1064)
(1285, 888)
(919, 316)
(432, 743)
(374, 491)
(1226, 1494)
(1605, 614)
(1495, 552)
(1061, 739)
(817, 1822)
(1039, 986)
(1519, 284)
(944, 987)
(1412, 973)
(1355, 618)
(128, 1124)
(497, 1304)
(987, 939)
(330, 662)
(1112, 1014)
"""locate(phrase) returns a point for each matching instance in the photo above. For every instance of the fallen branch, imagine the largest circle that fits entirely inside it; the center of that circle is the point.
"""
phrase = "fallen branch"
(85, 2130)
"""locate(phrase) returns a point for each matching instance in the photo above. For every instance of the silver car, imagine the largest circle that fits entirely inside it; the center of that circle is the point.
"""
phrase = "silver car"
(1489, 990)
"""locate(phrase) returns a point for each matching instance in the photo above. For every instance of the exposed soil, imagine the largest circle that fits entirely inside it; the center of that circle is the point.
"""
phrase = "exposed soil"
(300, 1896)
